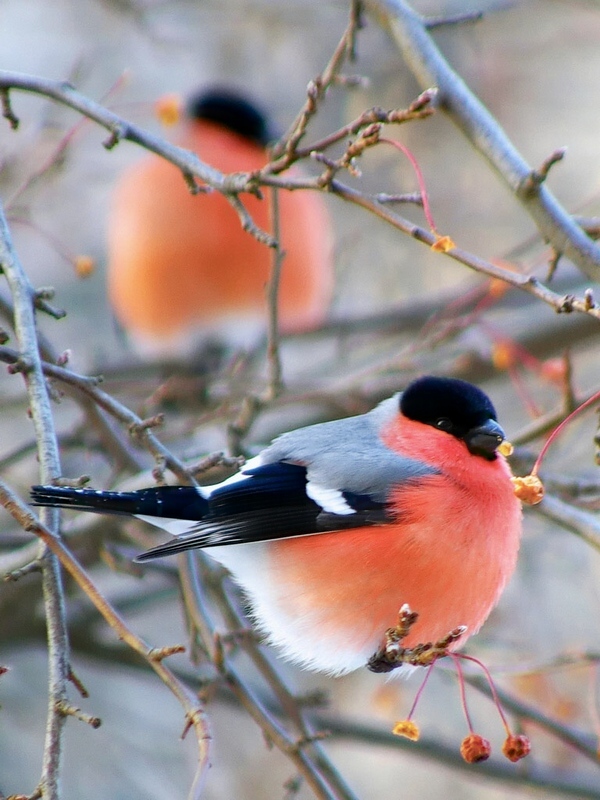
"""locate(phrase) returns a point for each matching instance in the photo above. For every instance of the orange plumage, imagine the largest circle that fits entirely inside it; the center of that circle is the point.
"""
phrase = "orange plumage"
(180, 265)
(449, 555)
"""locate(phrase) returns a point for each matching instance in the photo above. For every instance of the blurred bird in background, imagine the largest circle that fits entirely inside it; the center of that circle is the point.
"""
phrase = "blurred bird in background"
(182, 271)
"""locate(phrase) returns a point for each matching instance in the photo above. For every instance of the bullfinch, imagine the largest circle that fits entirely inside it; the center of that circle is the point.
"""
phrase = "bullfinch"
(335, 526)
(181, 270)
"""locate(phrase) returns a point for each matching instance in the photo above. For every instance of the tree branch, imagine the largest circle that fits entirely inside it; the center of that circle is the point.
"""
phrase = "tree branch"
(139, 429)
(430, 68)
(528, 283)
(303, 752)
(153, 656)
(576, 520)
(120, 129)
(48, 456)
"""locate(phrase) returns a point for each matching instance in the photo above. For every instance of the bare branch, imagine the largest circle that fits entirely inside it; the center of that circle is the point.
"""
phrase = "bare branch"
(41, 413)
(532, 182)
(421, 108)
(273, 356)
(556, 226)
(527, 283)
(189, 163)
(325, 783)
(576, 520)
(153, 656)
(318, 87)
(140, 429)
(458, 19)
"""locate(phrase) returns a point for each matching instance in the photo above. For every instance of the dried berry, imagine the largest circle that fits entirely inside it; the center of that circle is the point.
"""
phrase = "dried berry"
(84, 266)
(475, 748)
(516, 747)
(408, 729)
(529, 490)
(168, 109)
(506, 448)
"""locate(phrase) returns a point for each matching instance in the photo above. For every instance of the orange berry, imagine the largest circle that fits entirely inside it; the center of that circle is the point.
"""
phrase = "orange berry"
(168, 109)
(408, 729)
(475, 748)
(506, 448)
(443, 244)
(516, 747)
(84, 266)
(529, 489)
(503, 356)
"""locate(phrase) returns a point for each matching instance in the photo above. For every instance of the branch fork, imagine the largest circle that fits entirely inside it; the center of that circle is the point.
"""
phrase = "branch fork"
(392, 655)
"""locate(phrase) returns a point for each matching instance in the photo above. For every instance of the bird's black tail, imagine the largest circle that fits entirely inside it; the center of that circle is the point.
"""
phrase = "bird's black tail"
(176, 502)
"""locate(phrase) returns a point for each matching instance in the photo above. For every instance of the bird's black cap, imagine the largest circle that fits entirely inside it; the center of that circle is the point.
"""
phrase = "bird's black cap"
(455, 407)
(231, 109)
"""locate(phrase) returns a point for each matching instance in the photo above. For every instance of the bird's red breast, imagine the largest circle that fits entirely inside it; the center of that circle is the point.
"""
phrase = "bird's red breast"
(179, 263)
(448, 554)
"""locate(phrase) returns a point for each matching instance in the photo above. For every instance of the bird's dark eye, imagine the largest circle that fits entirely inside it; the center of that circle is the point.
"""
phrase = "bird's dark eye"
(444, 424)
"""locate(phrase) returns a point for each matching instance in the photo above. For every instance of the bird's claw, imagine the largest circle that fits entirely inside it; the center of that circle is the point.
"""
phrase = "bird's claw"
(392, 655)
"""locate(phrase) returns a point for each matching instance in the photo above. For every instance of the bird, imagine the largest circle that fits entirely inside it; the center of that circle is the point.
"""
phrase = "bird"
(181, 271)
(333, 527)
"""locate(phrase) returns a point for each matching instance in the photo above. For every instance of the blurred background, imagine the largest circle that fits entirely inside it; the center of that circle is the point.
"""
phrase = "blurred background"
(535, 65)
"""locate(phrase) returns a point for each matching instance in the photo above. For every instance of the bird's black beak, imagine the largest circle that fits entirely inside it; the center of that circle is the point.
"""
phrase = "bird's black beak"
(485, 439)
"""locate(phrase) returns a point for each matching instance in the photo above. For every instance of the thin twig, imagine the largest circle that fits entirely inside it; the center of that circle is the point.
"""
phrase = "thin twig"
(457, 19)
(48, 456)
(120, 129)
(317, 88)
(154, 657)
(275, 383)
(563, 304)
(538, 427)
(309, 734)
(137, 427)
(116, 446)
(556, 226)
(421, 108)
(197, 605)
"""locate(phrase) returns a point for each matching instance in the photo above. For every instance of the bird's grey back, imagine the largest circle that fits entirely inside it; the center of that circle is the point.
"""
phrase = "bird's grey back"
(348, 454)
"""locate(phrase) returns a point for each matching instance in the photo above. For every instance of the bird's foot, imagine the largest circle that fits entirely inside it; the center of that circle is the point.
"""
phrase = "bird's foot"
(392, 655)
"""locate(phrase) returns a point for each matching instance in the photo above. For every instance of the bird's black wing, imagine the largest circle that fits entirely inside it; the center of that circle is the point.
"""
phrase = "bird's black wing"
(271, 503)
(265, 502)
